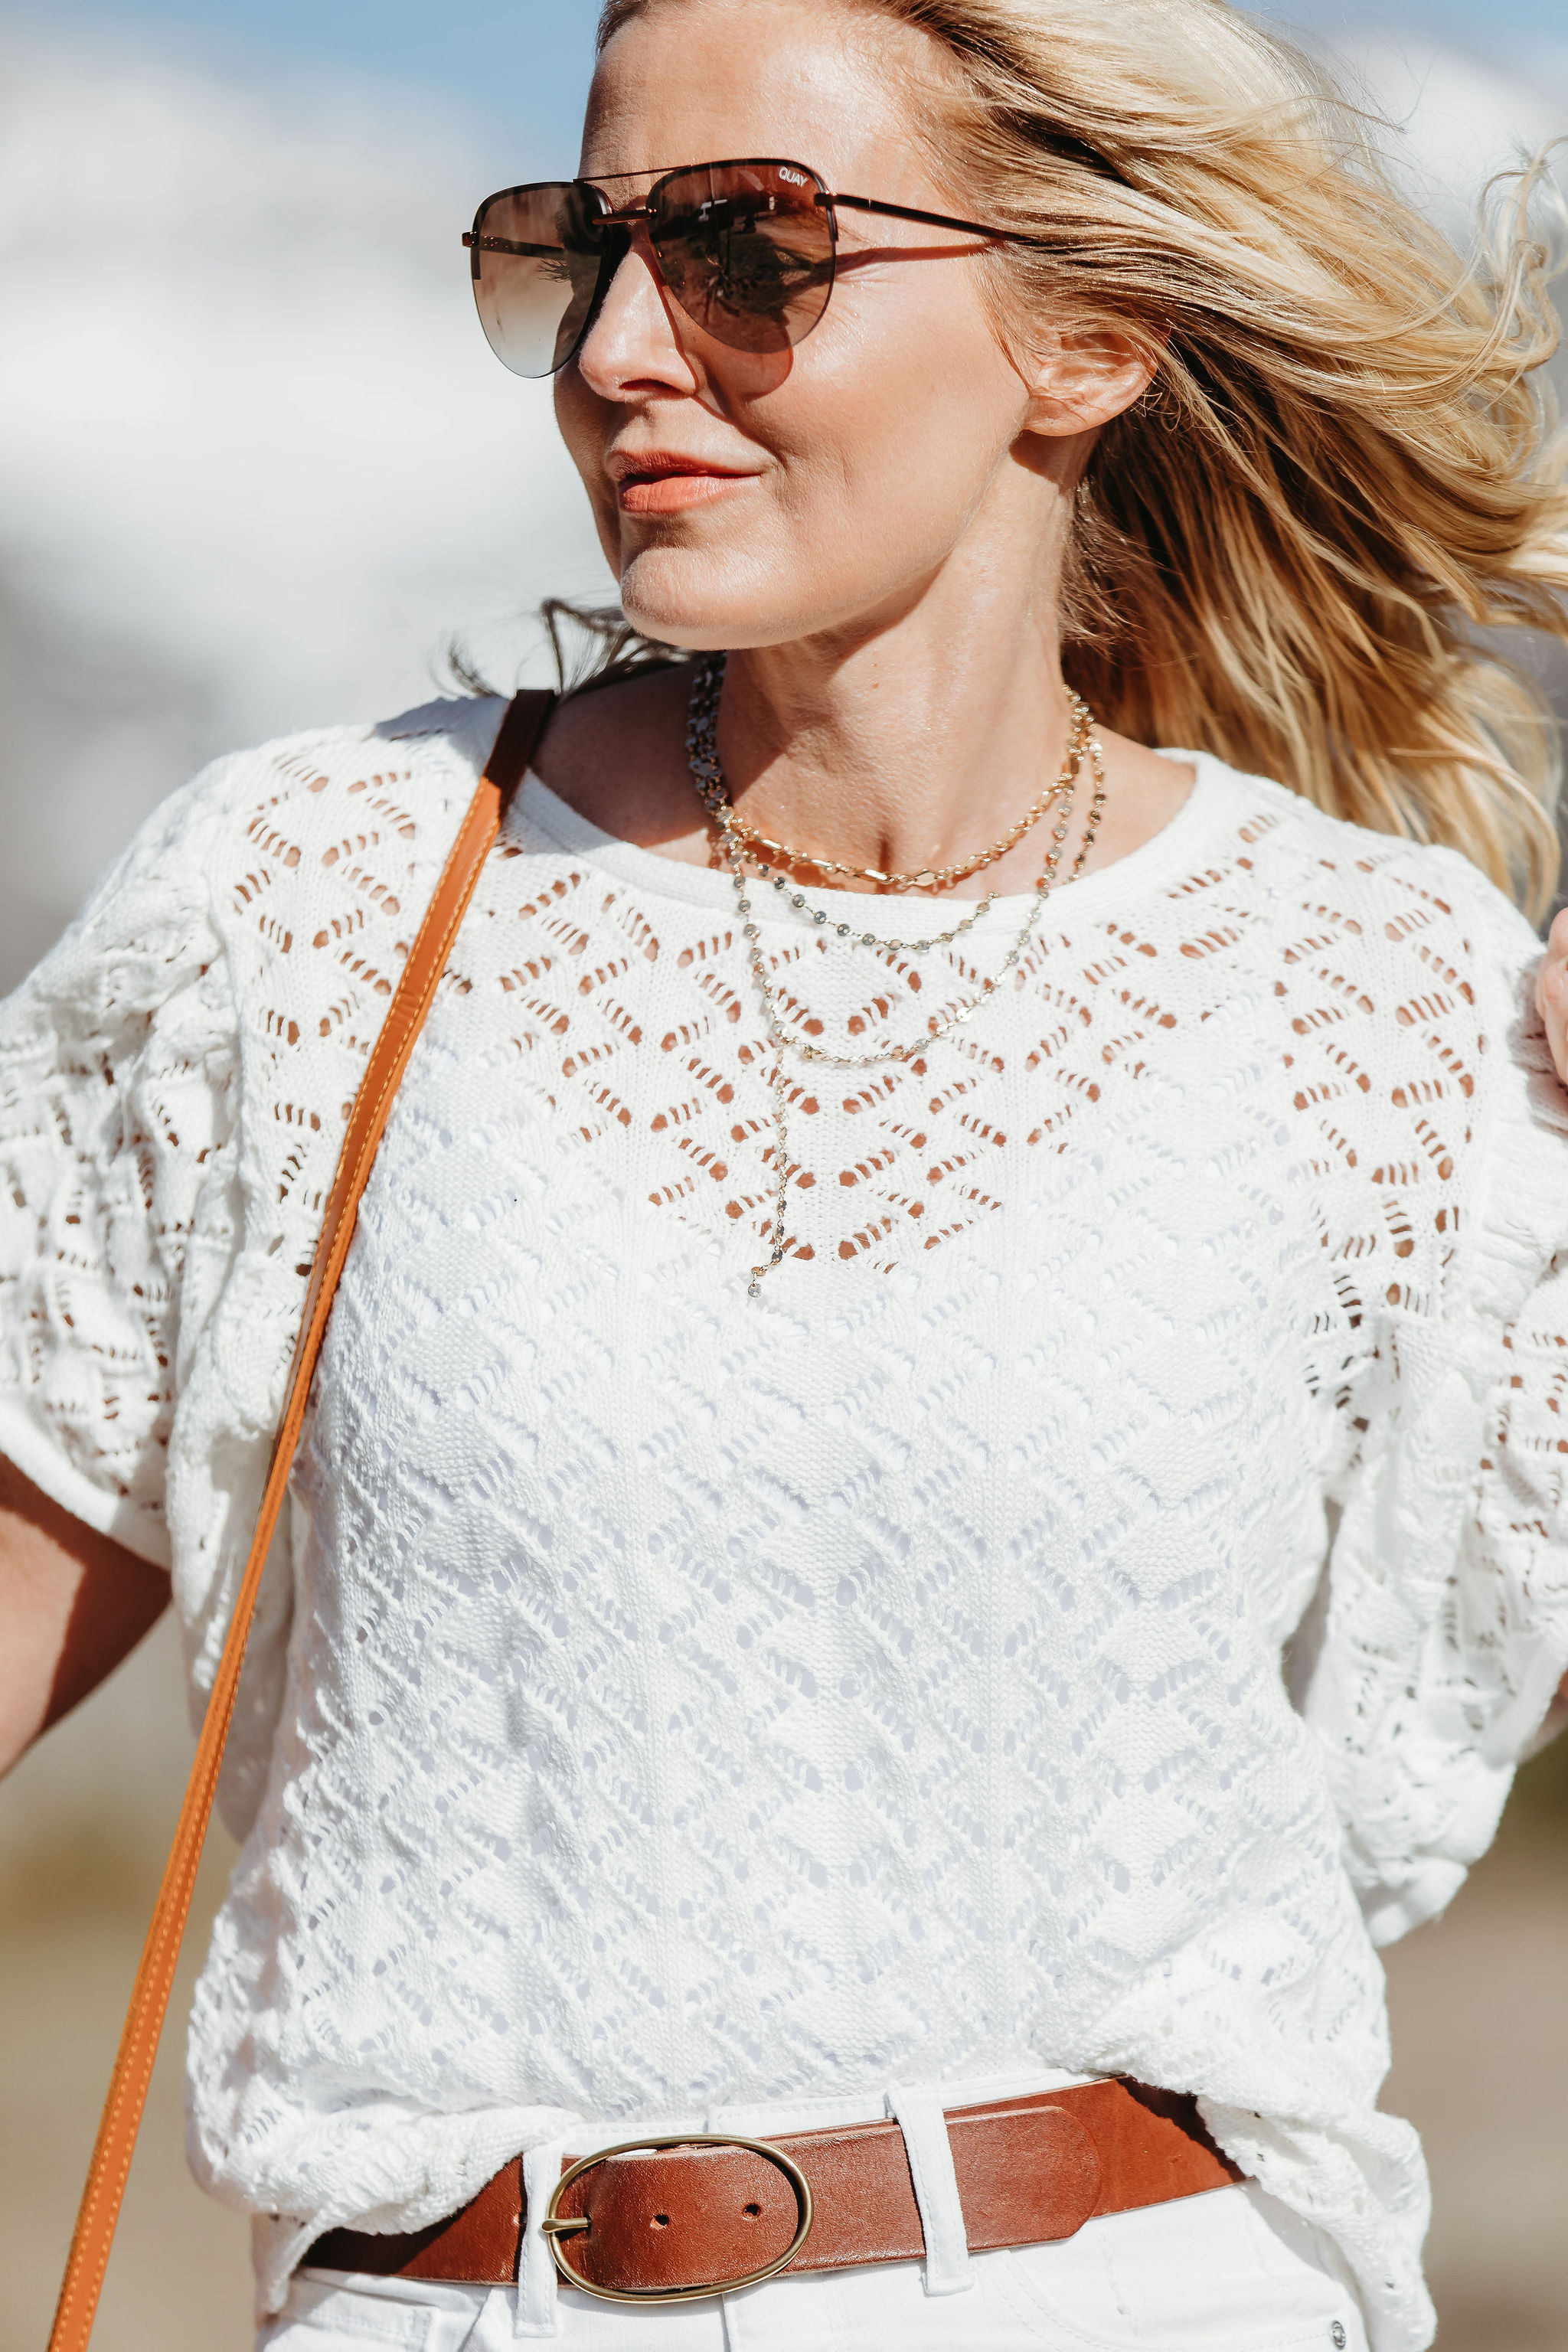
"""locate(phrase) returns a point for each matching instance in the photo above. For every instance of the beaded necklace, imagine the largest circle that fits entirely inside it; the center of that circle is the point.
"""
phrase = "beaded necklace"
(735, 831)
(702, 754)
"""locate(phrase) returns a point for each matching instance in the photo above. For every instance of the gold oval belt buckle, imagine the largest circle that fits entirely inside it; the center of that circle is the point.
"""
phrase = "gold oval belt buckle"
(557, 2225)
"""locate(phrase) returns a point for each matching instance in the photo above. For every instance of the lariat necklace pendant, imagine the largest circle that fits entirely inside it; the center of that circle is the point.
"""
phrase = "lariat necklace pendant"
(739, 843)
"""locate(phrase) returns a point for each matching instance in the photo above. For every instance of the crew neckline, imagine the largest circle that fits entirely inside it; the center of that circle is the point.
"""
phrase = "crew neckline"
(545, 813)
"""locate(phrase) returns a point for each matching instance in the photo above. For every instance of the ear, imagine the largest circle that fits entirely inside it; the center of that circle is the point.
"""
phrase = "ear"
(1083, 377)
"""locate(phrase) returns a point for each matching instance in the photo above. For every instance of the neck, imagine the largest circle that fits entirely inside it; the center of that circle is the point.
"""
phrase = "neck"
(912, 740)
(909, 746)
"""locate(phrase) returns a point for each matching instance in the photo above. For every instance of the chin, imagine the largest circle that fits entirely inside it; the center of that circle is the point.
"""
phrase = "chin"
(681, 597)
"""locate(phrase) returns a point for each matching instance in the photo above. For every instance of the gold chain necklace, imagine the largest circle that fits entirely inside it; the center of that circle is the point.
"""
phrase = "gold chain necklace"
(929, 877)
(1076, 742)
(709, 778)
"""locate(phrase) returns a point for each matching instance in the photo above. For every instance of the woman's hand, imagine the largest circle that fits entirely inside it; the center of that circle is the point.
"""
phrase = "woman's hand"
(1551, 992)
(72, 1603)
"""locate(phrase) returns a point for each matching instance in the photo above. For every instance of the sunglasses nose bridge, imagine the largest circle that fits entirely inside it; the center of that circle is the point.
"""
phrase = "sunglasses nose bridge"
(623, 234)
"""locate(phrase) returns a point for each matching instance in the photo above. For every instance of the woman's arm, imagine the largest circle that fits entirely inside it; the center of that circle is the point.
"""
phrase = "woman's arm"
(1552, 1003)
(72, 1604)
(1551, 992)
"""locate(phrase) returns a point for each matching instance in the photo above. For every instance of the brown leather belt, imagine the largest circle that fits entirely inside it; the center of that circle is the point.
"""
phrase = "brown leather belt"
(665, 2219)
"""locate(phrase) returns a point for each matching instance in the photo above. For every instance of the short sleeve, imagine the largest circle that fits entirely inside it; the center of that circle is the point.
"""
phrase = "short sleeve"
(1447, 1627)
(118, 1073)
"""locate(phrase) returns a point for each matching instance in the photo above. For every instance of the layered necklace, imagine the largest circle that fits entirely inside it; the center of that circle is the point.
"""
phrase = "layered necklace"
(741, 846)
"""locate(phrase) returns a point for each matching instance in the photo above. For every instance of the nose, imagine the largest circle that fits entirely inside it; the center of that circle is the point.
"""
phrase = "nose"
(633, 342)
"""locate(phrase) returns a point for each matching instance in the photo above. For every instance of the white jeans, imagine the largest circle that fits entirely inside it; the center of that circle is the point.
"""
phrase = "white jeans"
(1229, 2272)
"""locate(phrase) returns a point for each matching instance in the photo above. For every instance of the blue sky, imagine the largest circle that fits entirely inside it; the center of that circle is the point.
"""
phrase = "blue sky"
(526, 62)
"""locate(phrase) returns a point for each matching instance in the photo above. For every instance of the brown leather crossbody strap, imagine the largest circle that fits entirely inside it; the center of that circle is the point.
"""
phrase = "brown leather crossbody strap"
(520, 731)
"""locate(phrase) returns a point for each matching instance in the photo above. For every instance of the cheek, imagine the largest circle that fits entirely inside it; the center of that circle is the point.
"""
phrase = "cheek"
(899, 422)
(571, 412)
(580, 421)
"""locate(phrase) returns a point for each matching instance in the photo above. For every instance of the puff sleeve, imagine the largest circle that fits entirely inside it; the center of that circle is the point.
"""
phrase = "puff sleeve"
(119, 1078)
(1445, 1635)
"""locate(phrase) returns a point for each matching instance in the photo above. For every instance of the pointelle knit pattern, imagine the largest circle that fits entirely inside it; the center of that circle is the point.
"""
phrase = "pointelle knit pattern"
(1096, 1594)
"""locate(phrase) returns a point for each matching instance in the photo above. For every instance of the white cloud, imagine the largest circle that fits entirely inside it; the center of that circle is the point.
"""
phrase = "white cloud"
(248, 420)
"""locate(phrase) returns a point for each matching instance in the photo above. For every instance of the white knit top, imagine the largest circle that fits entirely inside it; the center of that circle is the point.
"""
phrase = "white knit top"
(668, 1705)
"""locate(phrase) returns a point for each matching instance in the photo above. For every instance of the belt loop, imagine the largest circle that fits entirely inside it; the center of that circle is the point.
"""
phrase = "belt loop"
(919, 2112)
(536, 2275)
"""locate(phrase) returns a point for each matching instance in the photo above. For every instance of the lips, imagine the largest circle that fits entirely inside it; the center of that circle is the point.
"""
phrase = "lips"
(660, 481)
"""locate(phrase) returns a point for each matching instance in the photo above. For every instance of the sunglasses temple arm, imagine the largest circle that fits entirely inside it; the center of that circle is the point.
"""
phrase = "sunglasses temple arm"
(929, 220)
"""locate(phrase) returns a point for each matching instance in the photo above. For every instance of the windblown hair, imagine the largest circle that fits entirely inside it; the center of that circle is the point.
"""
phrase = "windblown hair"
(1295, 551)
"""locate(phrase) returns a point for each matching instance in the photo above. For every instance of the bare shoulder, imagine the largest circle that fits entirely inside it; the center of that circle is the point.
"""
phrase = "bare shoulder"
(616, 755)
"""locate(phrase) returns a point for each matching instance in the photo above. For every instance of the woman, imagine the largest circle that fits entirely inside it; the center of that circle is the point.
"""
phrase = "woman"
(935, 1483)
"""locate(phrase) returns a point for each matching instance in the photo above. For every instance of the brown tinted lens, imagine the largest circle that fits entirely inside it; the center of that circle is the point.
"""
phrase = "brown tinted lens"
(535, 260)
(746, 250)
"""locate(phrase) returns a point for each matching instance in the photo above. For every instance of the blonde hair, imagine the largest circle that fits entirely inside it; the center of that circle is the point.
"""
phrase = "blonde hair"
(1346, 466)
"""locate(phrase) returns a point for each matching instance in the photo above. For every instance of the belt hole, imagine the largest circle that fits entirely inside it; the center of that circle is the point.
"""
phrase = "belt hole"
(752, 2212)
(661, 2220)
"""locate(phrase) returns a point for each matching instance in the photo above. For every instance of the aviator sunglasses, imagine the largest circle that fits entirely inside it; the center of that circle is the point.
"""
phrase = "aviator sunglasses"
(746, 249)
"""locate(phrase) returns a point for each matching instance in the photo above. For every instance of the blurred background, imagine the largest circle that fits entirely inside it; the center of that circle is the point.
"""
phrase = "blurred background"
(256, 469)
